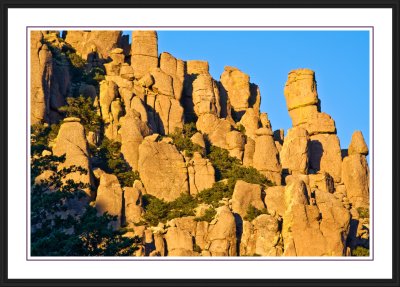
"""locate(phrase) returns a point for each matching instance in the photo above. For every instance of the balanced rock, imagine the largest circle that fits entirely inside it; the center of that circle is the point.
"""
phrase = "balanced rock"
(301, 89)
(215, 128)
(162, 170)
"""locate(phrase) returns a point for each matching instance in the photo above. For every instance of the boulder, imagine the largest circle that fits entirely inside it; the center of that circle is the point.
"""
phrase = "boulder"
(322, 181)
(235, 142)
(41, 73)
(203, 95)
(250, 121)
(109, 198)
(133, 203)
(266, 158)
(197, 67)
(178, 242)
(275, 200)
(294, 153)
(319, 123)
(357, 144)
(132, 132)
(249, 149)
(71, 141)
(301, 89)
(201, 174)
(244, 195)
(144, 52)
(162, 170)
(215, 128)
(175, 68)
(355, 175)
(100, 42)
(221, 237)
(324, 154)
(237, 86)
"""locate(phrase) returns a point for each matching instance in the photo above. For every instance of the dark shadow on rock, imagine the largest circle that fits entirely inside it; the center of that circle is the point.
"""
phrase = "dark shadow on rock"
(315, 152)
(239, 231)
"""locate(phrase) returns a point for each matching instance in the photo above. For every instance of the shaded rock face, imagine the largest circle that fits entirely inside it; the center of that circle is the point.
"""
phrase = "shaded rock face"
(162, 161)
(71, 142)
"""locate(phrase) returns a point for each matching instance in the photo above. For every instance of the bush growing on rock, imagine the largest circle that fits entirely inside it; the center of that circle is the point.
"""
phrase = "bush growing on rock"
(82, 108)
(215, 194)
(363, 212)
(58, 230)
(182, 141)
(110, 159)
(253, 212)
(208, 215)
(360, 251)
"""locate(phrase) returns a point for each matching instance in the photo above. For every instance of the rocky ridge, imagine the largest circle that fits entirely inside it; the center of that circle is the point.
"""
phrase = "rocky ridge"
(304, 195)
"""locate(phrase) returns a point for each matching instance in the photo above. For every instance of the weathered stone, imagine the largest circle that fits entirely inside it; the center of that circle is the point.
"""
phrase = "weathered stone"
(266, 235)
(163, 162)
(319, 123)
(266, 158)
(41, 73)
(196, 67)
(179, 242)
(204, 100)
(201, 233)
(175, 68)
(108, 92)
(144, 52)
(275, 199)
(133, 204)
(244, 195)
(249, 150)
(294, 153)
(109, 198)
(250, 121)
(201, 174)
(355, 175)
(324, 154)
(300, 89)
(132, 131)
(221, 237)
(71, 141)
(87, 43)
(357, 144)
(215, 128)
(302, 115)
(237, 85)
(322, 181)
(198, 139)
(235, 142)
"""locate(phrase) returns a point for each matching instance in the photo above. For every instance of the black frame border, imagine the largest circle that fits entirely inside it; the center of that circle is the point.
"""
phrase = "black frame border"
(7, 4)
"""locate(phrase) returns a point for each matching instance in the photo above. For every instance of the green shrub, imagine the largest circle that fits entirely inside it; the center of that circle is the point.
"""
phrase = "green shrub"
(110, 159)
(222, 162)
(156, 210)
(213, 195)
(241, 129)
(181, 139)
(82, 107)
(363, 212)
(360, 251)
(196, 248)
(208, 215)
(91, 234)
(253, 212)
(184, 205)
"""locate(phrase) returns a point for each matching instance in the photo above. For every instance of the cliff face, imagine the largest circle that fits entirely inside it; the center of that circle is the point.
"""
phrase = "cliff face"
(190, 164)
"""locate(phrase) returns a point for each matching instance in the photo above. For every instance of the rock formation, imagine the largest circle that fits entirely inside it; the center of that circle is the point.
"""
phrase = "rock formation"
(155, 141)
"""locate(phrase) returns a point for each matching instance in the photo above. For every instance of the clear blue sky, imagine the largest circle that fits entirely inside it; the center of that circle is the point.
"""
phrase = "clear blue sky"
(340, 60)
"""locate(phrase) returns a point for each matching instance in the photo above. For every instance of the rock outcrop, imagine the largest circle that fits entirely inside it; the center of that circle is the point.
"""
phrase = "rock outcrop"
(71, 142)
(162, 117)
(162, 161)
